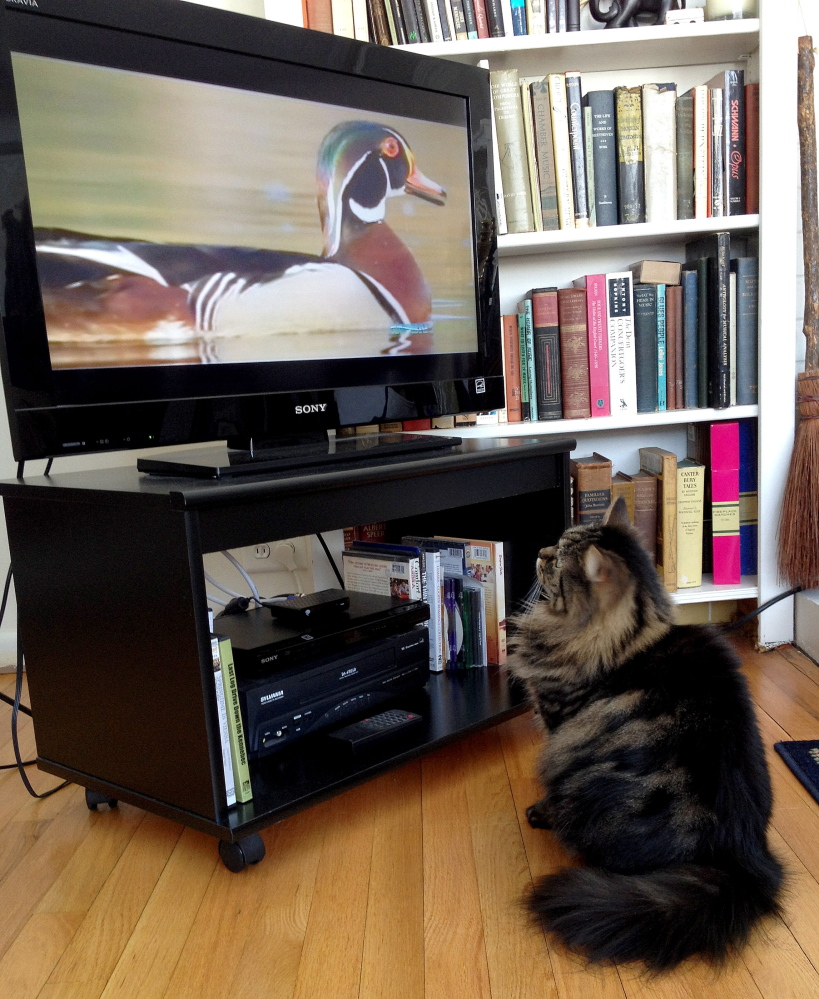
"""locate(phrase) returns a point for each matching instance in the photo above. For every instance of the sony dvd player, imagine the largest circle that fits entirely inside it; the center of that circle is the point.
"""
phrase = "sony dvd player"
(262, 645)
(299, 700)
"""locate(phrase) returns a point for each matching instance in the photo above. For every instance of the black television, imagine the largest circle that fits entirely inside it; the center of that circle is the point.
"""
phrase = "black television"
(220, 228)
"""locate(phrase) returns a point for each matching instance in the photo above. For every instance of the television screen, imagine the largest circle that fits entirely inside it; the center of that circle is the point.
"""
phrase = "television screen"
(242, 226)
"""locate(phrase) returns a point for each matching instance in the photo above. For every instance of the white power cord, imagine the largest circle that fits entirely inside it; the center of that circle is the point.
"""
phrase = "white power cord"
(284, 554)
(246, 575)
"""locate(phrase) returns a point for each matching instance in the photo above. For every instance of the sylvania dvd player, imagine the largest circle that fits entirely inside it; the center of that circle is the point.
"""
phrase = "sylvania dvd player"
(305, 698)
(263, 645)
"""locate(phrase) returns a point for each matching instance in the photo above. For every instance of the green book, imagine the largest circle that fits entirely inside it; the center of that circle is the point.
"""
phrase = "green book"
(238, 747)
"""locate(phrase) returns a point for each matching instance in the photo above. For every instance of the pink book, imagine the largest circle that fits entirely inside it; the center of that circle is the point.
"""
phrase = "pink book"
(725, 501)
(597, 321)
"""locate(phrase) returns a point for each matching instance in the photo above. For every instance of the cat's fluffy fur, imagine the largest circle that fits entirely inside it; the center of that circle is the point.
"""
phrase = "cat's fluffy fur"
(653, 768)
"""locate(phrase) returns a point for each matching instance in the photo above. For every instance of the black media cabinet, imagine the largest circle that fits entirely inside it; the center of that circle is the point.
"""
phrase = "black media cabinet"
(113, 617)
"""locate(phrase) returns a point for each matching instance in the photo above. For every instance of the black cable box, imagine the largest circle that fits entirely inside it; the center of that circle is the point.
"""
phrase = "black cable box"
(262, 646)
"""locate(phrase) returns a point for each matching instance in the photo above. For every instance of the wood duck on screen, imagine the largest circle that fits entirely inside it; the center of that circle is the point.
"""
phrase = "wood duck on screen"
(101, 288)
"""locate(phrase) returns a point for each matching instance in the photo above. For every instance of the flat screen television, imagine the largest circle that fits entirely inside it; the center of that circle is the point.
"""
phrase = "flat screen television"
(219, 228)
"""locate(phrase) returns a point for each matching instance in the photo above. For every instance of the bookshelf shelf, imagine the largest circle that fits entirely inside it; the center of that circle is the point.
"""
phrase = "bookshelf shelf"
(656, 233)
(603, 423)
(600, 50)
(748, 589)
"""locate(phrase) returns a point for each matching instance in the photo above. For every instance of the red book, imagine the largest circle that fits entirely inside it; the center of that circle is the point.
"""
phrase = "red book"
(511, 372)
(482, 19)
(752, 148)
(674, 346)
(320, 15)
(574, 353)
(415, 425)
(597, 326)
(725, 502)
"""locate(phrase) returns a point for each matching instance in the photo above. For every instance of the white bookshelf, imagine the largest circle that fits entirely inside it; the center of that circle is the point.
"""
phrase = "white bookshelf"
(765, 49)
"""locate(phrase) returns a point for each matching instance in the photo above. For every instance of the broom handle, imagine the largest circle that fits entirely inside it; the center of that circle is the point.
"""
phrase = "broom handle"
(810, 209)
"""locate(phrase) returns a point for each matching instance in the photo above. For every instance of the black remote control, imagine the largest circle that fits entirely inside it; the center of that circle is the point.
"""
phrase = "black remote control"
(367, 732)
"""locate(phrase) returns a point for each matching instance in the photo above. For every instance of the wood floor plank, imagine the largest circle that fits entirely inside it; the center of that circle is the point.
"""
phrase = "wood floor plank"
(798, 722)
(333, 944)
(455, 953)
(26, 965)
(801, 899)
(72, 990)
(779, 965)
(102, 936)
(517, 960)
(521, 738)
(799, 660)
(393, 959)
(149, 957)
(270, 958)
(799, 689)
(693, 980)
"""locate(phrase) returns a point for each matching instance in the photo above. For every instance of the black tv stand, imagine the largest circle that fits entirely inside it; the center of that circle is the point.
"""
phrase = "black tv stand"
(294, 454)
(112, 612)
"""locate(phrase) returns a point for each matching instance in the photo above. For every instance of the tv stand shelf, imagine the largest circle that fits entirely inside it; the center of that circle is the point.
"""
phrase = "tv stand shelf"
(113, 616)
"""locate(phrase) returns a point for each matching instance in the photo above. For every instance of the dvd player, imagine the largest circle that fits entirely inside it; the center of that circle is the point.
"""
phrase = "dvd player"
(301, 699)
(261, 645)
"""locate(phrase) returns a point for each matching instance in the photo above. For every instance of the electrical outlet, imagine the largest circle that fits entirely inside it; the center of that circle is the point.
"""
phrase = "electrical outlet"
(261, 551)
(275, 567)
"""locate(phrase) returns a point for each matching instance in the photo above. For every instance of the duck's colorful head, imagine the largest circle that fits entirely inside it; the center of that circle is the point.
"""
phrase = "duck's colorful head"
(360, 165)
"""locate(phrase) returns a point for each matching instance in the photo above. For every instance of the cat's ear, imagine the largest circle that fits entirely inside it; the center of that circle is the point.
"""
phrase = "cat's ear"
(617, 514)
(596, 565)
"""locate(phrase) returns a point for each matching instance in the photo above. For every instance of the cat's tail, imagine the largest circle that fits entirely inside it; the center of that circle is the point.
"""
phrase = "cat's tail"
(661, 917)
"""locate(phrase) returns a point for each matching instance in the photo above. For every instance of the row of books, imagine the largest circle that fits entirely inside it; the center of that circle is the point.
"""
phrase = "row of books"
(402, 22)
(695, 514)
(566, 160)
(461, 579)
(659, 337)
(231, 729)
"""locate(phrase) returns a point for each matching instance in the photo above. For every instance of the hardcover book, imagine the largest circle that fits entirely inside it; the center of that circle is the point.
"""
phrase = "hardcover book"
(656, 272)
(735, 139)
(690, 500)
(525, 402)
(747, 329)
(511, 362)
(631, 181)
(589, 148)
(691, 370)
(663, 465)
(674, 323)
(545, 154)
(531, 157)
(622, 354)
(716, 250)
(645, 338)
(528, 308)
(752, 148)
(604, 156)
(717, 154)
(685, 156)
(662, 350)
(592, 488)
(562, 149)
(725, 502)
(702, 152)
(598, 342)
(748, 505)
(645, 509)
(622, 486)
(222, 716)
(508, 114)
(574, 353)
(660, 151)
(547, 366)
(577, 146)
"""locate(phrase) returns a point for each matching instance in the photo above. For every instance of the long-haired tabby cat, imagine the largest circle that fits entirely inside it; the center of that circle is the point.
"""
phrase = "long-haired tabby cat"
(653, 768)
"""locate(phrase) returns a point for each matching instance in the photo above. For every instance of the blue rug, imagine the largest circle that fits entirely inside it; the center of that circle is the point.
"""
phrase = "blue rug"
(803, 759)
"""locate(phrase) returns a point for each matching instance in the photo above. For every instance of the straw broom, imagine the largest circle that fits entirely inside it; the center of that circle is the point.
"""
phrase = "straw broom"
(799, 526)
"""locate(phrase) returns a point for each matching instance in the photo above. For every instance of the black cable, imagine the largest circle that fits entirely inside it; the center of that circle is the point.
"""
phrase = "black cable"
(21, 467)
(768, 603)
(331, 560)
(48, 466)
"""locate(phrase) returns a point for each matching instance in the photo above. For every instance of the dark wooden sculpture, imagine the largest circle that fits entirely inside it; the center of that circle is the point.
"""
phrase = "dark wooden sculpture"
(633, 13)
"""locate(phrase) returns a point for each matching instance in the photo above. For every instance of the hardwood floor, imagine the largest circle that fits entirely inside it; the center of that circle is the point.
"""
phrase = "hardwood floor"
(404, 888)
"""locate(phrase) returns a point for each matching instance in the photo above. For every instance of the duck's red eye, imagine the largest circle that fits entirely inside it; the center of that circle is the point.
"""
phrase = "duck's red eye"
(391, 147)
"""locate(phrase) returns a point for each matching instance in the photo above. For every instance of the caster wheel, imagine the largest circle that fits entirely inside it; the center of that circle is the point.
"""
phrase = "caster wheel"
(94, 798)
(241, 854)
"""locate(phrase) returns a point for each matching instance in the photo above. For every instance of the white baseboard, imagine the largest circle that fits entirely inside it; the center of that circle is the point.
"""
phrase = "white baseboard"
(807, 623)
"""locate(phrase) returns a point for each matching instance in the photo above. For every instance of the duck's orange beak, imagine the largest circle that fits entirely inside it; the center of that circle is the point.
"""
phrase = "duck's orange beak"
(424, 188)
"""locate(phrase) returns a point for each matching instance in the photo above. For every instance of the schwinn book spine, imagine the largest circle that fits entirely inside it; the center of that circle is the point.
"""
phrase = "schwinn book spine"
(735, 169)
(631, 180)
(577, 145)
(547, 354)
(604, 156)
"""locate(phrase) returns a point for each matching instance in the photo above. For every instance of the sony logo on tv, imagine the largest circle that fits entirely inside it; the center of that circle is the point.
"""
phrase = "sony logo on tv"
(316, 407)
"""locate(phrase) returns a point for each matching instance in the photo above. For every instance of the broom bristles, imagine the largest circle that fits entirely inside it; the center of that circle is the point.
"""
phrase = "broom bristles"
(799, 526)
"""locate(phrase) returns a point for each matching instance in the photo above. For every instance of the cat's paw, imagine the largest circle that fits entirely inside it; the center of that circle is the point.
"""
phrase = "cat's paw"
(537, 816)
